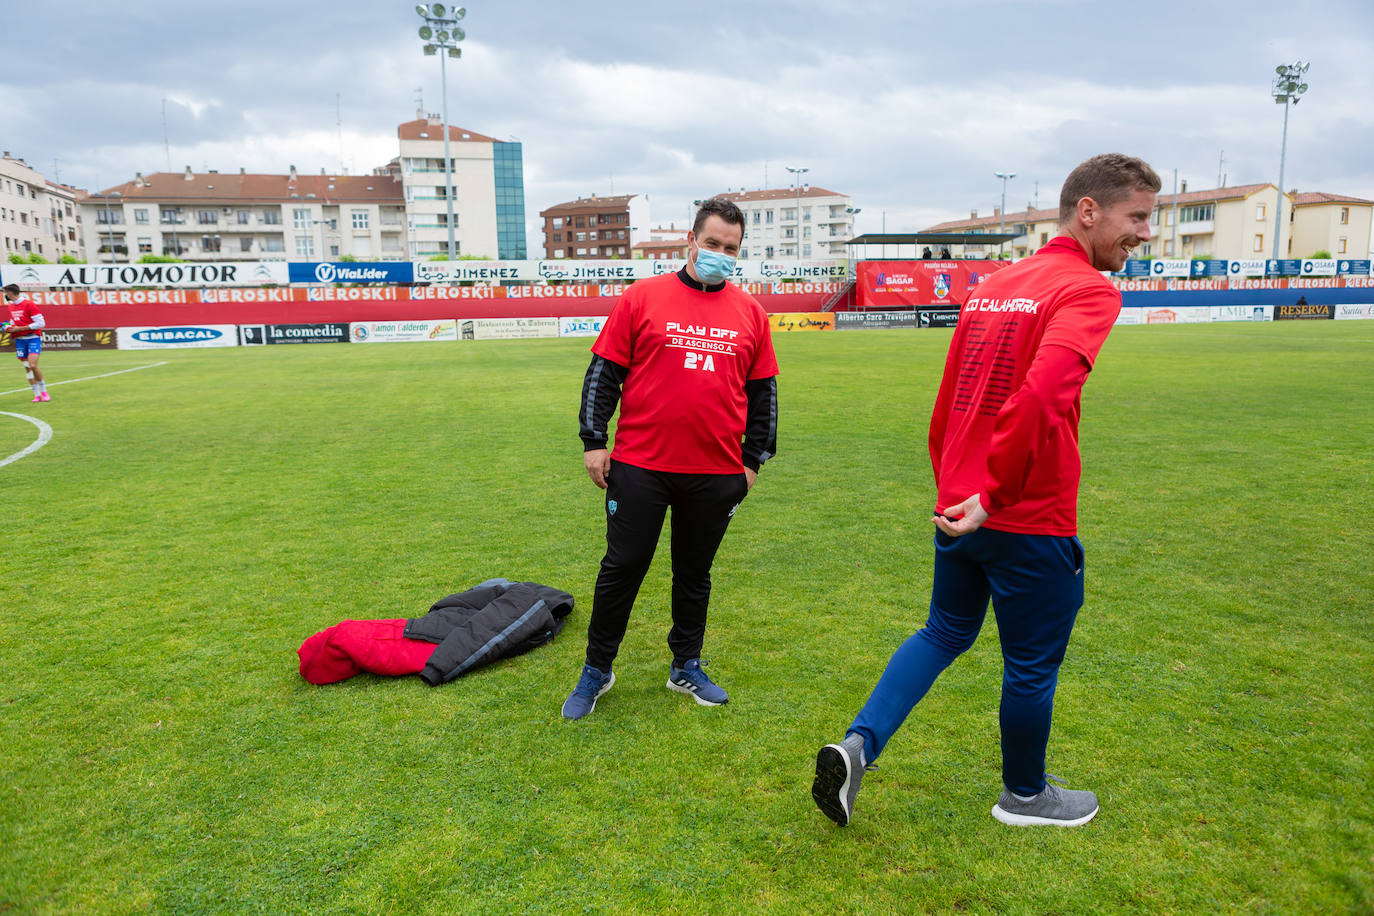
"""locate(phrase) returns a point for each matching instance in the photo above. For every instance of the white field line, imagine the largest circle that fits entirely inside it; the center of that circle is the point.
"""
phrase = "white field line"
(44, 430)
(89, 377)
(44, 434)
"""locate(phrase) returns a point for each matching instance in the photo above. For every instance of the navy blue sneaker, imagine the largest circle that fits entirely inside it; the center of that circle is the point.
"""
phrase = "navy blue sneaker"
(691, 680)
(591, 685)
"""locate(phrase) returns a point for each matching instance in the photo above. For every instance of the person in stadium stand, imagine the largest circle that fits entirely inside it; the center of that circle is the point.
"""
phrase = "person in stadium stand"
(1004, 446)
(25, 325)
(689, 359)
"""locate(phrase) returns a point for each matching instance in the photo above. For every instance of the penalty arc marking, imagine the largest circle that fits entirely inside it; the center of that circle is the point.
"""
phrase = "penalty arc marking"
(44, 430)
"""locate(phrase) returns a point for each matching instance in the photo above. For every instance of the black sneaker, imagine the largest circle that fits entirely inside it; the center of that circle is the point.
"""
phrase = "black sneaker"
(839, 770)
(1053, 806)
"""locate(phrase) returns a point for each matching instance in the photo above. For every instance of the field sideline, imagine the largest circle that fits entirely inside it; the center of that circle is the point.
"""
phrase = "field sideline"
(189, 524)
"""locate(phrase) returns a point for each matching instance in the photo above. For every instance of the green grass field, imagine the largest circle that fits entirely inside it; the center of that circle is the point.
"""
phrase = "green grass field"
(190, 524)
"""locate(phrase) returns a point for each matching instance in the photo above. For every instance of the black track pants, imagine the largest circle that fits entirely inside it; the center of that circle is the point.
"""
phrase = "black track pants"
(636, 502)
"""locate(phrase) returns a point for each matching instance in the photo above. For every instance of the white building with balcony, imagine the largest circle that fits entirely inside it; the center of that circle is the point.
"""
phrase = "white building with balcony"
(38, 216)
(211, 216)
(775, 229)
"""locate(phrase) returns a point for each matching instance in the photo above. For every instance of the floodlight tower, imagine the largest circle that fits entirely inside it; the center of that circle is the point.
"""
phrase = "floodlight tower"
(441, 31)
(1005, 176)
(799, 172)
(1288, 87)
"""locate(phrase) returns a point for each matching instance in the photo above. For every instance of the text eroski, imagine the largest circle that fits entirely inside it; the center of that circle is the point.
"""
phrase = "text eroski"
(699, 330)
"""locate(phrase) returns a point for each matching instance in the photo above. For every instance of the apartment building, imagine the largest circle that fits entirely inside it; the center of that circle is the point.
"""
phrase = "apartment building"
(1233, 223)
(487, 191)
(37, 216)
(596, 227)
(665, 242)
(209, 216)
(790, 223)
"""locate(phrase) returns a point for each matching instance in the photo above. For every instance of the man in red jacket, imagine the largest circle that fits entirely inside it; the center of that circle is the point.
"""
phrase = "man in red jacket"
(1004, 447)
(25, 324)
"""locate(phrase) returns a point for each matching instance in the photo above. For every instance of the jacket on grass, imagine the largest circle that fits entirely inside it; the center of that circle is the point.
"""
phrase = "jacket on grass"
(493, 620)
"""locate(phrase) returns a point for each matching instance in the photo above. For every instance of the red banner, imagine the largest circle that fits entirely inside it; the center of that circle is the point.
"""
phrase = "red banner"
(905, 284)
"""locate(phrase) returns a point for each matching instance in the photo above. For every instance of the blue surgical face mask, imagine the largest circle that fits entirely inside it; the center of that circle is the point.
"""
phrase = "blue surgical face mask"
(713, 266)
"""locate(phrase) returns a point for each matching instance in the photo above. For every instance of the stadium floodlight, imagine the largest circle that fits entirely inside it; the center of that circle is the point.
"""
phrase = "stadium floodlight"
(1005, 176)
(1288, 87)
(441, 31)
(799, 172)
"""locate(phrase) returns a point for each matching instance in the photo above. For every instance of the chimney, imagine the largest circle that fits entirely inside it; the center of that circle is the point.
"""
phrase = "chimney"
(419, 114)
(996, 212)
(1183, 186)
(973, 214)
(189, 175)
(293, 173)
(138, 179)
(241, 170)
(321, 171)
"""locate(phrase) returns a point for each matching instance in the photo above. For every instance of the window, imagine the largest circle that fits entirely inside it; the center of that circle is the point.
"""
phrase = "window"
(246, 243)
(172, 215)
(768, 252)
(581, 222)
(558, 252)
(1259, 243)
(582, 236)
(581, 252)
(620, 233)
(1199, 213)
(271, 217)
(806, 250)
(305, 246)
(1169, 249)
(1340, 245)
(769, 219)
(591, 236)
(558, 222)
(209, 243)
(103, 217)
(273, 243)
(145, 245)
(207, 217)
(333, 251)
(140, 217)
(360, 219)
(243, 216)
(1259, 212)
(758, 215)
(300, 219)
(1345, 216)
(1044, 238)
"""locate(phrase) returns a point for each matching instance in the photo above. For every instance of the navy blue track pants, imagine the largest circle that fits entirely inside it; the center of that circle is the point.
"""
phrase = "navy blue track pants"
(1035, 583)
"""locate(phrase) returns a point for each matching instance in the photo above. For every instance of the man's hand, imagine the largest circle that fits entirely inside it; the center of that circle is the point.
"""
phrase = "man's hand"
(750, 476)
(969, 517)
(598, 465)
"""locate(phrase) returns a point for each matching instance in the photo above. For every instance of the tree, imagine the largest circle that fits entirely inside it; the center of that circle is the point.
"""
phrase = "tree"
(1321, 255)
(159, 259)
(36, 258)
(70, 259)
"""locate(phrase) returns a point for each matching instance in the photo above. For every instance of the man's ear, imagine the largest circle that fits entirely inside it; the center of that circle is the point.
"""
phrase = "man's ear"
(1088, 211)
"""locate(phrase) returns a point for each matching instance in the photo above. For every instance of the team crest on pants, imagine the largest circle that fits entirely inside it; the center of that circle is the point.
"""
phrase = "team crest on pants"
(611, 506)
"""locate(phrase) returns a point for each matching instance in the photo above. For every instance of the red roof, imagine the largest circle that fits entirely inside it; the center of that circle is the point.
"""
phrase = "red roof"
(598, 204)
(1321, 197)
(778, 194)
(425, 129)
(215, 186)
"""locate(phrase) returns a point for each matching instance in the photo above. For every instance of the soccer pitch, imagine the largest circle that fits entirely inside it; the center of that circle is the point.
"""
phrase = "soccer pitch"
(190, 524)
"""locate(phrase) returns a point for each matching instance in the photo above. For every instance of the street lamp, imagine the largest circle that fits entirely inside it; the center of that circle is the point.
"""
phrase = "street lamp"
(109, 223)
(441, 31)
(799, 173)
(1005, 176)
(1288, 87)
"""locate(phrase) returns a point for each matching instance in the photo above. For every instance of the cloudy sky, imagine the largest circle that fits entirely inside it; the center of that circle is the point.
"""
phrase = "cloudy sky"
(908, 107)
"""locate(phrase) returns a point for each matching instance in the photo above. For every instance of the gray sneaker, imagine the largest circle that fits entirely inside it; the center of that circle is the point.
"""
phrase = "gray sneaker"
(1054, 806)
(839, 770)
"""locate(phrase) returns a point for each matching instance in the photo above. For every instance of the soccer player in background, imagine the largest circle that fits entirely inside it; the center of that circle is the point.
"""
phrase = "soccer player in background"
(24, 325)
(689, 359)
(1004, 446)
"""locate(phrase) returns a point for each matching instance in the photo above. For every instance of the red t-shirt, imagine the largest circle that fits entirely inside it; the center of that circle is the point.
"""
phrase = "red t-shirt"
(22, 312)
(994, 433)
(689, 353)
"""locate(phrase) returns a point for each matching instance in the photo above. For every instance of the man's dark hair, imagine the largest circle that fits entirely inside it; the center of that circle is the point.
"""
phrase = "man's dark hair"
(722, 207)
(1107, 179)
(12, 289)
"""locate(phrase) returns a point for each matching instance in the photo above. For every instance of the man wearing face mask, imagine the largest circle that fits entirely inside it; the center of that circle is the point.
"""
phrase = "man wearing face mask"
(688, 357)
